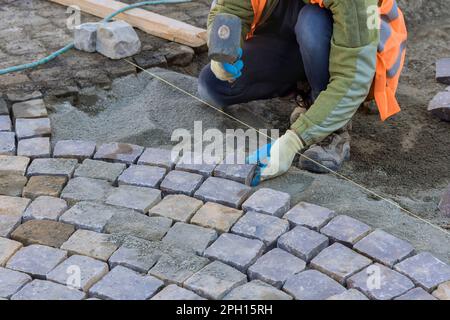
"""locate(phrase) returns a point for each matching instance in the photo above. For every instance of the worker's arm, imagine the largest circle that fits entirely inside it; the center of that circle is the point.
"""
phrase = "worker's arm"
(352, 68)
(240, 8)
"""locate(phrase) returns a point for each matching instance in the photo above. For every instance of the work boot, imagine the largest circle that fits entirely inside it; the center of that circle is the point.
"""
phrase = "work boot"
(330, 153)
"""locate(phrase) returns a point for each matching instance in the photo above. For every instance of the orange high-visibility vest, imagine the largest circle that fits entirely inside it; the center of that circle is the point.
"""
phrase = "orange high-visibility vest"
(390, 57)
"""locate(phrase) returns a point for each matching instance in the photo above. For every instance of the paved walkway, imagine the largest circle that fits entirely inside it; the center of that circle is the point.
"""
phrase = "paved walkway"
(118, 221)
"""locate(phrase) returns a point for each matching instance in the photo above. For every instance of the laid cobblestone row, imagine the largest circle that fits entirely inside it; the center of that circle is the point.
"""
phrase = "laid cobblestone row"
(222, 191)
(36, 260)
(215, 280)
(275, 267)
(268, 201)
(158, 157)
(29, 109)
(52, 167)
(216, 216)
(119, 152)
(136, 198)
(309, 215)
(85, 189)
(262, 227)
(180, 182)
(142, 176)
(44, 232)
(191, 162)
(38, 186)
(346, 230)
(125, 284)
(74, 149)
(47, 290)
(391, 283)
(90, 271)
(177, 207)
(303, 243)
(102, 170)
(91, 244)
(190, 237)
(242, 173)
(45, 208)
(32, 128)
(34, 148)
(235, 250)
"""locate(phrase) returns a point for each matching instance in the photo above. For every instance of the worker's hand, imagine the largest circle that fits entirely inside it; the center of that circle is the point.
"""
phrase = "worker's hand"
(228, 71)
(278, 158)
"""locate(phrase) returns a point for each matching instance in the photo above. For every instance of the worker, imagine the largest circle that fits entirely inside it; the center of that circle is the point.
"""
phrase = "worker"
(349, 51)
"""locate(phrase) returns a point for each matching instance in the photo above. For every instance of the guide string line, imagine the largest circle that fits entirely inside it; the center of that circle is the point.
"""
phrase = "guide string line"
(367, 190)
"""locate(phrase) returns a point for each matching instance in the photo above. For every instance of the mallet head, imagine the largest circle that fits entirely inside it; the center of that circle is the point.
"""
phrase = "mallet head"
(225, 38)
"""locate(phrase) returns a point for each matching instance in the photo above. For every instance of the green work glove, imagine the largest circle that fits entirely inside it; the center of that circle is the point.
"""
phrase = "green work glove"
(282, 154)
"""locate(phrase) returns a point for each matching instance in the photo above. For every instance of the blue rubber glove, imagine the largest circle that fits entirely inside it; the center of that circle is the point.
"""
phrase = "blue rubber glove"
(261, 158)
(228, 71)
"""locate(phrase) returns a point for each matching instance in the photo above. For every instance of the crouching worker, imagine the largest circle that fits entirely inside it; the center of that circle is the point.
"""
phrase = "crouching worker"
(348, 51)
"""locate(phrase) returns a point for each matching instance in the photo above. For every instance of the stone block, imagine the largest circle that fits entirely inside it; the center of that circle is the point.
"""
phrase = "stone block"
(443, 70)
(193, 162)
(47, 290)
(339, 262)
(309, 215)
(34, 148)
(425, 270)
(439, 106)
(36, 260)
(351, 294)
(91, 244)
(242, 173)
(262, 227)
(3, 107)
(190, 237)
(11, 211)
(216, 216)
(268, 201)
(390, 284)
(303, 243)
(180, 182)
(384, 248)
(235, 250)
(346, 230)
(177, 266)
(74, 149)
(30, 109)
(275, 267)
(23, 96)
(117, 40)
(45, 208)
(142, 176)
(44, 232)
(138, 225)
(32, 128)
(136, 198)
(416, 294)
(13, 165)
(125, 284)
(90, 271)
(177, 207)
(8, 248)
(443, 291)
(176, 293)
(85, 189)
(226, 192)
(119, 152)
(91, 215)
(85, 36)
(135, 253)
(7, 143)
(312, 285)
(11, 281)
(12, 184)
(159, 157)
(215, 280)
(5, 123)
(256, 290)
(52, 167)
(100, 170)
(37, 186)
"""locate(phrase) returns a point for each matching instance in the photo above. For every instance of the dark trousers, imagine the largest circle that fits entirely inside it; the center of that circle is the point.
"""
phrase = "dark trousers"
(293, 45)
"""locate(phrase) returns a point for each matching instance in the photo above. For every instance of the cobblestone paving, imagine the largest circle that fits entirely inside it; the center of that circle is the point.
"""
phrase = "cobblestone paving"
(133, 225)
(32, 29)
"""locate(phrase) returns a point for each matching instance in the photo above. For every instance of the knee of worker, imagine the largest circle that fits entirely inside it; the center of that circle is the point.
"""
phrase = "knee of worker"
(314, 28)
(208, 88)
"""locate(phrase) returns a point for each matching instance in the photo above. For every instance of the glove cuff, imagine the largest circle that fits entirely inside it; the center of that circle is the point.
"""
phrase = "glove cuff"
(219, 71)
(295, 140)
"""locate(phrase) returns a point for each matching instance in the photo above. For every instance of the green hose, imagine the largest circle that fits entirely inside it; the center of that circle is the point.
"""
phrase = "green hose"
(71, 45)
